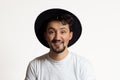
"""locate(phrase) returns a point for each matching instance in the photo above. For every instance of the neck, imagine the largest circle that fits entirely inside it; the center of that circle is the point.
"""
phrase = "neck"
(59, 56)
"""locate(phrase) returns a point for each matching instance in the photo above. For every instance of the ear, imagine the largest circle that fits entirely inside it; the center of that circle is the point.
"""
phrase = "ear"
(71, 35)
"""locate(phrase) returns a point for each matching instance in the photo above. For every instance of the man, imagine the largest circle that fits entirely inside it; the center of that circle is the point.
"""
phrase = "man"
(58, 29)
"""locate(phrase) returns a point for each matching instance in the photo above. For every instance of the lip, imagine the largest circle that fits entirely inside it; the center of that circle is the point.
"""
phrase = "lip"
(58, 43)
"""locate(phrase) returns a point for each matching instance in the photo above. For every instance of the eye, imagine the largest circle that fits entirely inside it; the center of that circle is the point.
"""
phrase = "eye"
(63, 32)
(50, 32)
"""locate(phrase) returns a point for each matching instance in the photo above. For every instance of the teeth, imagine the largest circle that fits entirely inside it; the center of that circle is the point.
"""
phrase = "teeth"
(58, 43)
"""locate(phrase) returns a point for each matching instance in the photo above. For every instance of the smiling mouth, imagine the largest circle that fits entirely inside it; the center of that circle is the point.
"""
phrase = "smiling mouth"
(57, 42)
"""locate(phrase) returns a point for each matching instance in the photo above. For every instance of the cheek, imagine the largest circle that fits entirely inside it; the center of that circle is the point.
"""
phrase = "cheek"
(66, 39)
(49, 38)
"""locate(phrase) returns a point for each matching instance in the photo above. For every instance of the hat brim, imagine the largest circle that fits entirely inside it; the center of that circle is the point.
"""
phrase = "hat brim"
(77, 28)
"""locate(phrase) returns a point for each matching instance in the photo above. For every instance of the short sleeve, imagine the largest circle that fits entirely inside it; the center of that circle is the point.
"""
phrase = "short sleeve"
(30, 73)
(87, 72)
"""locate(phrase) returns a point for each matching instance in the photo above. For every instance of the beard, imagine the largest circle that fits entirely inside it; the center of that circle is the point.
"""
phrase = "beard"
(58, 49)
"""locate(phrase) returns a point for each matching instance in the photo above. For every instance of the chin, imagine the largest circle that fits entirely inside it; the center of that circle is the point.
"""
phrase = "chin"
(58, 51)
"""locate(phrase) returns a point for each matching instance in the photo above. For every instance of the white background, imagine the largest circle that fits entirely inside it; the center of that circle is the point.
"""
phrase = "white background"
(99, 43)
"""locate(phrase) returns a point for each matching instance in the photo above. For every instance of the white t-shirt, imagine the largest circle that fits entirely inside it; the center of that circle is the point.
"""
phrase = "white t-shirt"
(72, 67)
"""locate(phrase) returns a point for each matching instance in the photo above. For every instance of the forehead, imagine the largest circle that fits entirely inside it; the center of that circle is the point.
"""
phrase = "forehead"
(57, 25)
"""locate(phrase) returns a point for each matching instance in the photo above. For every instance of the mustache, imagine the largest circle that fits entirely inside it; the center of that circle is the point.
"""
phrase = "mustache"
(55, 41)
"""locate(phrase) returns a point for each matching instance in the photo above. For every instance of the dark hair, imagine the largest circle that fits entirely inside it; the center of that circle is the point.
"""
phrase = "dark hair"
(63, 18)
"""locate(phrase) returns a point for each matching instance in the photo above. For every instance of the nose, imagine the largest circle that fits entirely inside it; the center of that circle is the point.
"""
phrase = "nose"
(57, 36)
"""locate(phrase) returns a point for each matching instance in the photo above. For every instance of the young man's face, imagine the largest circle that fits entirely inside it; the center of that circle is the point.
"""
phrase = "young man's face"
(58, 35)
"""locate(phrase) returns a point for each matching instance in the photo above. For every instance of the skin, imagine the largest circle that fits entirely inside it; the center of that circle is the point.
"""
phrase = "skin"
(58, 36)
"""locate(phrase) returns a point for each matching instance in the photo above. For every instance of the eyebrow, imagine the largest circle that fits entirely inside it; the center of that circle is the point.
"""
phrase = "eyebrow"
(53, 28)
(49, 28)
(63, 28)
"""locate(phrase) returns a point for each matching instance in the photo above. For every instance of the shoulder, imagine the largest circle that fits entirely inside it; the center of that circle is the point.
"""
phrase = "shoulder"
(38, 60)
(78, 57)
(84, 67)
(80, 60)
(34, 66)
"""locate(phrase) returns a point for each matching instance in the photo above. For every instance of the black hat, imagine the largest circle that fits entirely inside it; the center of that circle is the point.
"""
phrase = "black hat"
(44, 16)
